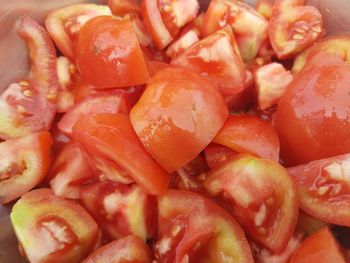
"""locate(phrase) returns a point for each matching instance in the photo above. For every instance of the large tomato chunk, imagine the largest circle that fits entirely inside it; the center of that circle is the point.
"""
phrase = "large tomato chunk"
(111, 143)
(64, 24)
(108, 53)
(249, 134)
(312, 119)
(27, 105)
(24, 162)
(293, 27)
(264, 198)
(324, 188)
(179, 112)
(321, 247)
(191, 228)
(121, 210)
(249, 26)
(216, 58)
(50, 228)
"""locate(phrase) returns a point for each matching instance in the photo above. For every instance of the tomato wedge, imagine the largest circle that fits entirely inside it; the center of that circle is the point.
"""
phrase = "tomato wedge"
(264, 198)
(121, 210)
(51, 228)
(249, 134)
(124, 250)
(111, 143)
(24, 164)
(191, 228)
(65, 23)
(293, 27)
(182, 43)
(179, 115)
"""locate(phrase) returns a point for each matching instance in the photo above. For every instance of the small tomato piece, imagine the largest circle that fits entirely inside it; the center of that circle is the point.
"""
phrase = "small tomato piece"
(182, 43)
(124, 7)
(216, 155)
(264, 7)
(140, 31)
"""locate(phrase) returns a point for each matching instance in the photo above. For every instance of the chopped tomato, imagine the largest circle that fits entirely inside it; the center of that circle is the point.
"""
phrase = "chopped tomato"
(140, 31)
(264, 198)
(308, 224)
(68, 171)
(324, 188)
(124, 7)
(24, 162)
(113, 61)
(264, 7)
(110, 141)
(121, 210)
(101, 102)
(271, 81)
(216, 155)
(314, 114)
(183, 43)
(49, 227)
(65, 23)
(249, 134)
(177, 115)
(191, 228)
(84, 90)
(249, 27)
(294, 27)
(321, 247)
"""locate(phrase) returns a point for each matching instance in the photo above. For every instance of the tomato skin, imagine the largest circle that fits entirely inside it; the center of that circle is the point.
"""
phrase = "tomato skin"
(177, 115)
(314, 114)
(185, 218)
(321, 247)
(53, 228)
(24, 164)
(111, 142)
(251, 135)
(108, 53)
(130, 249)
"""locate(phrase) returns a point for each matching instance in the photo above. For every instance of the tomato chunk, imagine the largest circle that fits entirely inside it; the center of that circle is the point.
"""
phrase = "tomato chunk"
(124, 7)
(50, 227)
(179, 115)
(24, 162)
(216, 154)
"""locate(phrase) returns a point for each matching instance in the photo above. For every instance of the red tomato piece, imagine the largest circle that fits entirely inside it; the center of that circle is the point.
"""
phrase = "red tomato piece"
(271, 81)
(102, 102)
(191, 228)
(110, 141)
(216, 155)
(124, 7)
(182, 43)
(321, 247)
(121, 210)
(216, 58)
(83, 90)
(113, 61)
(24, 164)
(324, 188)
(68, 171)
(315, 114)
(249, 134)
(264, 198)
(293, 27)
(65, 23)
(124, 250)
(264, 7)
(249, 27)
(49, 228)
(140, 30)
(154, 23)
(177, 115)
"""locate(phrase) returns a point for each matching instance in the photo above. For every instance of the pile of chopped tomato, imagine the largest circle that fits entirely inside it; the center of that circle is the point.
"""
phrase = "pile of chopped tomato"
(152, 132)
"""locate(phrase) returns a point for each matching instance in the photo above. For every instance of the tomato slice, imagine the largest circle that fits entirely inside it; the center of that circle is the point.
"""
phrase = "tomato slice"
(154, 23)
(183, 43)
(216, 155)
(124, 250)
(249, 134)
(121, 210)
(271, 81)
(68, 171)
(24, 164)
(191, 228)
(324, 188)
(50, 227)
(65, 23)
(249, 27)
(179, 115)
(321, 247)
(110, 141)
(124, 7)
(101, 102)
(294, 27)
(264, 198)
(113, 61)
